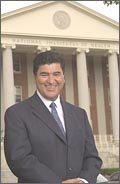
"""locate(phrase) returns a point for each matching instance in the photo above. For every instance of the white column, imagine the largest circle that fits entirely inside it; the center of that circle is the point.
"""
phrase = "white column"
(2, 99)
(8, 78)
(83, 90)
(30, 75)
(100, 101)
(114, 92)
(69, 80)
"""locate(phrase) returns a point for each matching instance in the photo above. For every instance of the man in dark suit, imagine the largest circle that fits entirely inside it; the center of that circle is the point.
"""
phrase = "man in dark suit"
(37, 148)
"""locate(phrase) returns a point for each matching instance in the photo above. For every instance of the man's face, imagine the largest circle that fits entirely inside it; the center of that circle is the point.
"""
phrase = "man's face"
(50, 80)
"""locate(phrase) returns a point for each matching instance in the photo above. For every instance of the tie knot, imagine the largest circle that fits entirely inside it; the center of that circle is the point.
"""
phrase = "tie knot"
(52, 105)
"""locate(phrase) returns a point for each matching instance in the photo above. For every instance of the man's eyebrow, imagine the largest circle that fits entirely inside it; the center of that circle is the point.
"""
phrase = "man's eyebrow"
(47, 73)
(43, 73)
(57, 72)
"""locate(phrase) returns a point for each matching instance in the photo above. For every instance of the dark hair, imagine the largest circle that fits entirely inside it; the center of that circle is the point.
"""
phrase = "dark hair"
(47, 57)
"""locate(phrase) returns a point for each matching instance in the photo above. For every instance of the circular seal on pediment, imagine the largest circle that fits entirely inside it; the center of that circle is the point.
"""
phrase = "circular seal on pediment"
(61, 19)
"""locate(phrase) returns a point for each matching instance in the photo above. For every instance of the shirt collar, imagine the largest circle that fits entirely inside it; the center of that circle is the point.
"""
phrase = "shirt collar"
(48, 102)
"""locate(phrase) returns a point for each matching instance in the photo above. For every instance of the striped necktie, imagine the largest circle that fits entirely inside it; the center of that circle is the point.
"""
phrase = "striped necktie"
(56, 117)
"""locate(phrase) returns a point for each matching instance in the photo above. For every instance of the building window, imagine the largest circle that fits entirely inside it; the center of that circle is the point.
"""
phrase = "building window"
(18, 94)
(17, 63)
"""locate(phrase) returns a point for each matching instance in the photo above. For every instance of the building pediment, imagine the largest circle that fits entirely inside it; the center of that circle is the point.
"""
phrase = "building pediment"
(66, 19)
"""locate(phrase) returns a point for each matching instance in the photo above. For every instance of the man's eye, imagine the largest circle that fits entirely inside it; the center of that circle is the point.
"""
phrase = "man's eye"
(57, 74)
(43, 74)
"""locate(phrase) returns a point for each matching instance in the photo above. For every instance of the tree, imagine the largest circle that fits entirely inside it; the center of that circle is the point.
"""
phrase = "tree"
(110, 2)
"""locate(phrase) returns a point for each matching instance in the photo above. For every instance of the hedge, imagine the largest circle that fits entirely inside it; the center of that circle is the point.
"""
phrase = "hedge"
(108, 171)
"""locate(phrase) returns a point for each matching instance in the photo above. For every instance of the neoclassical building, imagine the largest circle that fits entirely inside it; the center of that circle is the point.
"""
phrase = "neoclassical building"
(89, 42)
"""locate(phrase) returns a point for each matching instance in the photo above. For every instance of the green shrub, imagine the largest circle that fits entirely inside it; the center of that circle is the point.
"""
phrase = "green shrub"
(108, 171)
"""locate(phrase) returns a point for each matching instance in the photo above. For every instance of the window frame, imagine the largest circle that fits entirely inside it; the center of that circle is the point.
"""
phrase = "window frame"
(17, 58)
(20, 94)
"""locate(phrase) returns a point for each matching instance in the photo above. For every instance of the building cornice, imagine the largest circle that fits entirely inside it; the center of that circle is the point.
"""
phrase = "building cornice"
(60, 42)
(31, 35)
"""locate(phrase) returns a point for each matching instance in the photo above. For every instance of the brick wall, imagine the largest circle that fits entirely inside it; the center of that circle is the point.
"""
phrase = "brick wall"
(20, 79)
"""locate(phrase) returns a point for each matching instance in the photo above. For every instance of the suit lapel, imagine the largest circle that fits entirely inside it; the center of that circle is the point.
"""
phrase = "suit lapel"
(40, 111)
(69, 122)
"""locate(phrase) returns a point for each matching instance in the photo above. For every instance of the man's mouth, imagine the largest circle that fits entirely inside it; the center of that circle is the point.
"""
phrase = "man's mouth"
(50, 87)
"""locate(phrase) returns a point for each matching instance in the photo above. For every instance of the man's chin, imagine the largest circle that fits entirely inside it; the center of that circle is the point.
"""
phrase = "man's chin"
(52, 97)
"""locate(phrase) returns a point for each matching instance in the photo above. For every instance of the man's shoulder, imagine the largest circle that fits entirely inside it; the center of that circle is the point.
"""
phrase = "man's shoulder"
(21, 105)
(73, 106)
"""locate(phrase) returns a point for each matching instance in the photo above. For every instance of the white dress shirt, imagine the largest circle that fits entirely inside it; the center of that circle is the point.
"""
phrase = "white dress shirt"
(58, 107)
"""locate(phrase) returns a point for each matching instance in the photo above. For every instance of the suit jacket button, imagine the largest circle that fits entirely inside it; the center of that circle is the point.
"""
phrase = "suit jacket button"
(70, 169)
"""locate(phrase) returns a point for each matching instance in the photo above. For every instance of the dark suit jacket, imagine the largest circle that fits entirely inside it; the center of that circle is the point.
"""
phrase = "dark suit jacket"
(37, 152)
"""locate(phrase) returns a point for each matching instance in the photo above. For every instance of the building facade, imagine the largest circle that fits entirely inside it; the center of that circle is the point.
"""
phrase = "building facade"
(89, 43)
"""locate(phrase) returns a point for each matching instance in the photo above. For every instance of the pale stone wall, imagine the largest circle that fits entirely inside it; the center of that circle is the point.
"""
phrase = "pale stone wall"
(108, 150)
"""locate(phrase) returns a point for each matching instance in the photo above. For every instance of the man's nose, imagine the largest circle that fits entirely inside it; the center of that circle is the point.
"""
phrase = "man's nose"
(51, 79)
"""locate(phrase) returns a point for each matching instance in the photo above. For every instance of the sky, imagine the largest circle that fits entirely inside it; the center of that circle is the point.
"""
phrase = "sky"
(111, 11)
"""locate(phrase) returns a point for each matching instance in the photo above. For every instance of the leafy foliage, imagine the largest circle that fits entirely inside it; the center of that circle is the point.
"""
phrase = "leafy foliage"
(109, 171)
(110, 2)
